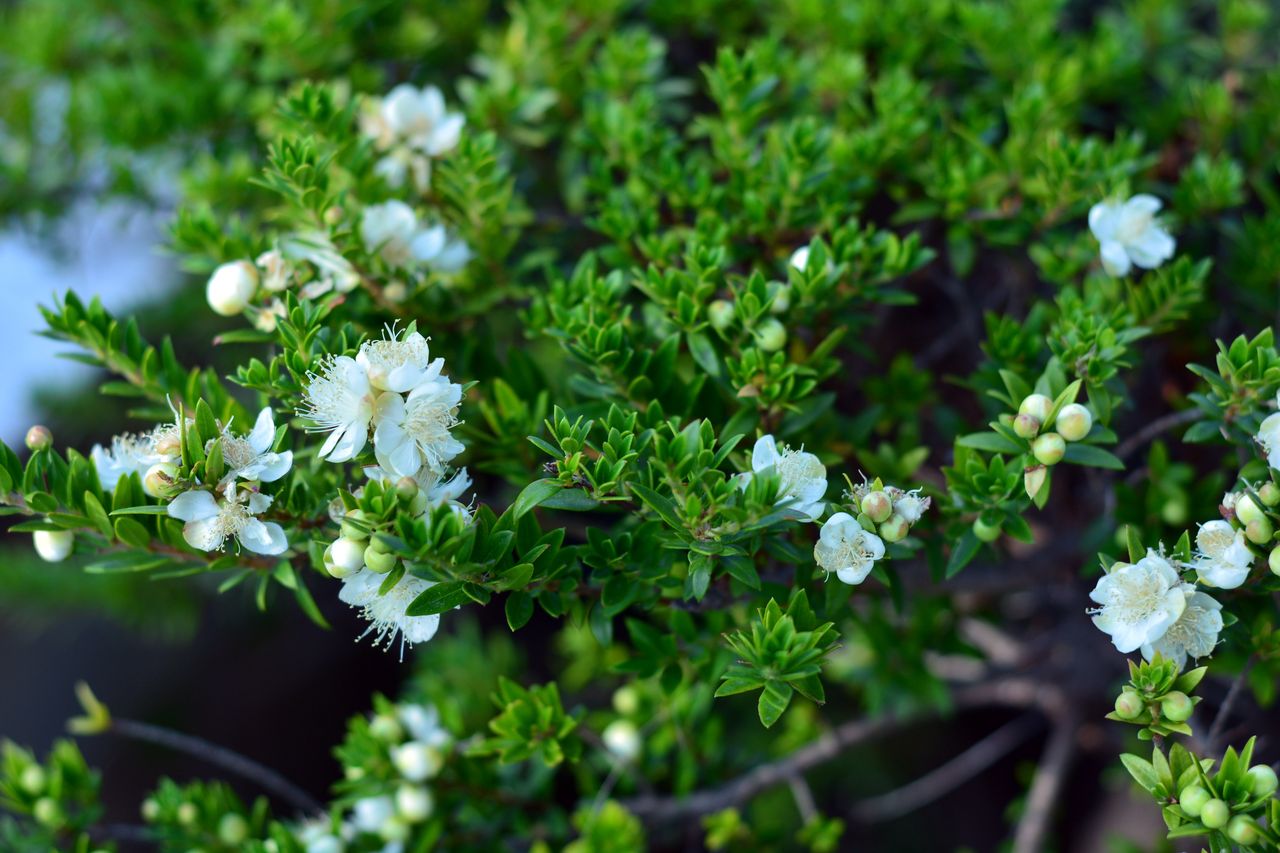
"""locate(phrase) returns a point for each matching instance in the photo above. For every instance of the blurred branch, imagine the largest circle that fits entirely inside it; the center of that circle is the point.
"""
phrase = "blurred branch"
(1048, 781)
(1155, 429)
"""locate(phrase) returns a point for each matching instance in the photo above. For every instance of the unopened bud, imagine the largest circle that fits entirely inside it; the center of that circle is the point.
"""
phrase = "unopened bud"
(1259, 531)
(53, 546)
(1036, 405)
(622, 738)
(1247, 510)
(150, 810)
(378, 560)
(877, 505)
(771, 336)
(231, 287)
(416, 761)
(158, 482)
(333, 215)
(1263, 780)
(188, 814)
(1073, 422)
(895, 529)
(32, 779)
(1176, 706)
(233, 830)
(354, 527)
(414, 803)
(1193, 799)
(1026, 426)
(781, 294)
(393, 830)
(1269, 493)
(344, 558)
(1033, 479)
(720, 314)
(1049, 448)
(1215, 814)
(1243, 830)
(1129, 705)
(986, 532)
(46, 812)
(39, 438)
(396, 292)
(384, 727)
(407, 487)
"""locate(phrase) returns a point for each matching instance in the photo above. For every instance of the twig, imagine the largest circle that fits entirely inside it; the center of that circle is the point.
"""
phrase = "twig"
(125, 832)
(268, 779)
(1048, 781)
(949, 776)
(1156, 428)
(803, 796)
(1228, 702)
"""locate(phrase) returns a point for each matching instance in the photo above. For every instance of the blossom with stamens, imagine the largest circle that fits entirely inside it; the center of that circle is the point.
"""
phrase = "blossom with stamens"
(802, 476)
(386, 611)
(1193, 635)
(1222, 556)
(340, 401)
(400, 364)
(250, 457)
(846, 548)
(209, 522)
(414, 432)
(1129, 234)
(1139, 601)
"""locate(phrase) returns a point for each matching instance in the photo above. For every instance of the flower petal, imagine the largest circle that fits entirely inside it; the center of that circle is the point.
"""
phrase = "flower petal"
(195, 505)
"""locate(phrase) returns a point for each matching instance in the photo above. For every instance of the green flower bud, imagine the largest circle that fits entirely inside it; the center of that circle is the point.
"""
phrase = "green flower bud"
(1049, 448)
(878, 506)
(1259, 531)
(377, 560)
(414, 803)
(150, 810)
(344, 557)
(1174, 510)
(407, 488)
(1215, 814)
(1129, 705)
(1073, 422)
(1033, 479)
(771, 335)
(188, 814)
(1273, 560)
(1263, 779)
(158, 482)
(357, 532)
(781, 294)
(1176, 706)
(46, 812)
(1243, 830)
(1193, 798)
(1036, 405)
(984, 531)
(1269, 493)
(1026, 426)
(1247, 510)
(386, 728)
(233, 830)
(895, 529)
(32, 779)
(39, 438)
(626, 701)
(720, 314)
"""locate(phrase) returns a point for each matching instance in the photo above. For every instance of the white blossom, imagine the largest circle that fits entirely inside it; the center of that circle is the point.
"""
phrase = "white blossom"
(420, 119)
(414, 432)
(209, 522)
(622, 738)
(910, 505)
(417, 761)
(250, 457)
(276, 273)
(231, 287)
(341, 401)
(802, 476)
(800, 258)
(1194, 634)
(129, 454)
(438, 250)
(1269, 438)
(1222, 558)
(1139, 601)
(1130, 235)
(53, 546)
(395, 363)
(846, 548)
(370, 814)
(423, 724)
(334, 272)
(386, 612)
(389, 229)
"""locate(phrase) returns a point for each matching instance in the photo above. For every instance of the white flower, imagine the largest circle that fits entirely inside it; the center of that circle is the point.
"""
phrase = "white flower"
(622, 738)
(417, 761)
(335, 271)
(275, 270)
(442, 253)
(386, 611)
(398, 364)
(371, 813)
(847, 549)
(231, 287)
(53, 546)
(414, 803)
(909, 505)
(250, 457)
(423, 724)
(1269, 437)
(128, 454)
(1223, 558)
(401, 163)
(1129, 234)
(803, 478)
(209, 522)
(419, 118)
(340, 401)
(1139, 601)
(389, 229)
(318, 836)
(413, 432)
(800, 258)
(1194, 634)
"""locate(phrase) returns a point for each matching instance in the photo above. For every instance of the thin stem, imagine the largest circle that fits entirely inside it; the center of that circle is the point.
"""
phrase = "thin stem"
(803, 796)
(1228, 702)
(1155, 429)
(266, 778)
(1049, 779)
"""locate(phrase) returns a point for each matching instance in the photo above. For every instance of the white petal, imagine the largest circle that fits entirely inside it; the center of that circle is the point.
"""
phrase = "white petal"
(272, 466)
(1153, 248)
(204, 534)
(1115, 260)
(764, 454)
(264, 432)
(263, 537)
(428, 243)
(1104, 217)
(194, 505)
(445, 135)
(1142, 204)
(855, 574)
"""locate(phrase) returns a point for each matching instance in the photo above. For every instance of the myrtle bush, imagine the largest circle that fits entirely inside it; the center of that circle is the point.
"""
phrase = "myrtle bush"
(800, 372)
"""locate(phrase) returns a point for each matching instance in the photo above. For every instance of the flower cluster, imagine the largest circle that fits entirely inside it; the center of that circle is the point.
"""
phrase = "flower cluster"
(151, 455)
(307, 260)
(1129, 235)
(410, 126)
(850, 546)
(392, 231)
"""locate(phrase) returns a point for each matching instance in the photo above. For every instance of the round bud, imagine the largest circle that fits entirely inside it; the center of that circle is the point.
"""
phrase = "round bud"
(233, 830)
(1073, 422)
(231, 287)
(159, 479)
(396, 292)
(39, 438)
(1193, 798)
(416, 760)
(1243, 830)
(1263, 780)
(46, 811)
(1215, 814)
(771, 336)
(386, 728)
(150, 810)
(1273, 560)
(1174, 510)
(1269, 493)
(1247, 510)
(1129, 705)
(895, 529)
(334, 570)
(394, 829)
(407, 488)
(1036, 405)
(878, 506)
(354, 526)
(622, 738)
(1049, 448)
(32, 779)
(625, 700)
(187, 814)
(720, 314)
(414, 803)
(347, 555)
(53, 546)
(984, 531)
(1259, 531)
(377, 560)
(1176, 706)
(1026, 426)
(781, 294)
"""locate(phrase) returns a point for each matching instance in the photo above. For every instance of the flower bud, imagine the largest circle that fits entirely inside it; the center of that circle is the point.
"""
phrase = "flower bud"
(414, 803)
(1129, 705)
(1263, 779)
(384, 727)
(1193, 798)
(1073, 422)
(32, 779)
(877, 505)
(1176, 706)
(53, 546)
(895, 529)
(187, 814)
(1259, 531)
(781, 294)
(1273, 561)
(233, 830)
(158, 482)
(39, 438)
(150, 810)
(1049, 448)
(1247, 510)
(396, 292)
(622, 738)
(720, 314)
(1243, 830)
(231, 287)
(1215, 814)
(358, 531)
(416, 760)
(1269, 493)
(1036, 405)
(407, 488)
(771, 336)
(1033, 479)
(378, 560)
(984, 531)
(1173, 511)
(1026, 426)
(394, 829)
(625, 700)
(46, 812)
(347, 556)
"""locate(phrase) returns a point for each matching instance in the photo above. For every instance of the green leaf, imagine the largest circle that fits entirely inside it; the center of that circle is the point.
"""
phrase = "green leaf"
(437, 599)
(962, 553)
(1093, 456)
(991, 442)
(98, 515)
(534, 494)
(519, 609)
(1143, 772)
(773, 701)
(132, 533)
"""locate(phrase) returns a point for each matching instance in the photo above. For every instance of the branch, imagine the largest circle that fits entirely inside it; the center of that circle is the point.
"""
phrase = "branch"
(1155, 429)
(949, 776)
(1228, 702)
(1048, 781)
